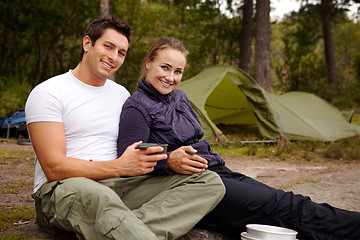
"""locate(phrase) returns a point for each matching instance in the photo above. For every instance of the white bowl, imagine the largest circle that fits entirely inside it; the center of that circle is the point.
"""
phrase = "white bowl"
(245, 236)
(266, 232)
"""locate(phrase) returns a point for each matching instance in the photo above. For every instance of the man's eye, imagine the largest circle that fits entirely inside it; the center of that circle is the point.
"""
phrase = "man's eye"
(107, 46)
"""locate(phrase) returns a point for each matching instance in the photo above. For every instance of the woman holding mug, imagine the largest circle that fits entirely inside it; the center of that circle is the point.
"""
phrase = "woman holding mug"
(158, 112)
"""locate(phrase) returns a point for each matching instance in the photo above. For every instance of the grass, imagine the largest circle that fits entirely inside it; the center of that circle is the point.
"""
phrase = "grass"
(9, 160)
(302, 180)
(16, 154)
(343, 149)
(14, 186)
(8, 218)
(11, 236)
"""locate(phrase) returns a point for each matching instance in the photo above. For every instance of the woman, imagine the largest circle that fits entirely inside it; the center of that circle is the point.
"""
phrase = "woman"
(158, 112)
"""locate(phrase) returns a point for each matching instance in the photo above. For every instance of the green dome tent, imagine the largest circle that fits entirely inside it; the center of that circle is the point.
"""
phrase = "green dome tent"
(227, 95)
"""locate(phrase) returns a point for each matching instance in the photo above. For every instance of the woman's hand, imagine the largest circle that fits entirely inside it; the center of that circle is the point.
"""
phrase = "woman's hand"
(181, 162)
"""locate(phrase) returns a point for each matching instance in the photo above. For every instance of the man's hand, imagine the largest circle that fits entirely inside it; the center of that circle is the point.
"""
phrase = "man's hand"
(137, 162)
(48, 139)
(181, 162)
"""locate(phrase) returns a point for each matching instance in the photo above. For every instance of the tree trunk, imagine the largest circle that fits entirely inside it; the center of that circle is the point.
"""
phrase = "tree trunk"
(262, 45)
(38, 67)
(217, 45)
(105, 11)
(328, 41)
(105, 8)
(246, 36)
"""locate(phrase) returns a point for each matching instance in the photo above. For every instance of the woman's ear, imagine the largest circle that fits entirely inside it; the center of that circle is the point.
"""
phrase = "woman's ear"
(147, 64)
(86, 43)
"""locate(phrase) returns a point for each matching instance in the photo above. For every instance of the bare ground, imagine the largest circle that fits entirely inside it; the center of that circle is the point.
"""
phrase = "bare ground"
(333, 181)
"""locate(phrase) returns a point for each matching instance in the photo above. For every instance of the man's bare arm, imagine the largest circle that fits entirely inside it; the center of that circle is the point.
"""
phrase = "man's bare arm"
(49, 143)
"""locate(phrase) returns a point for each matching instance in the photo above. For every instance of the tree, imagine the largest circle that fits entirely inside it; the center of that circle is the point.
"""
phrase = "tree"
(326, 9)
(105, 11)
(246, 36)
(105, 8)
(302, 67)
(38, 40)
(218, 33)
(263, 45)
(329, 10)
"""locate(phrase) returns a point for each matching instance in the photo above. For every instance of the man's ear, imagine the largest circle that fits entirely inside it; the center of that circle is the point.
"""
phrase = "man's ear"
(86, 43)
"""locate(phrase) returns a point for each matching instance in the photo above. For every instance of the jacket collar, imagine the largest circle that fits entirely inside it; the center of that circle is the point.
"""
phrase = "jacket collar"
(149, 90)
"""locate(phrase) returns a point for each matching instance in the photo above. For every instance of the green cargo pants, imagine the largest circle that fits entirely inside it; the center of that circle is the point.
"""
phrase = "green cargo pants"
(143, 207)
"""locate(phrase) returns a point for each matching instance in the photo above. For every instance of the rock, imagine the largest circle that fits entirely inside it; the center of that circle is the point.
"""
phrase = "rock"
(200, 234)
(32, 231)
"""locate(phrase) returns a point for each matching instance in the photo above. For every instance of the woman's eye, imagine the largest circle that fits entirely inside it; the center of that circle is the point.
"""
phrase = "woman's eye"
(178, 72)
(164, 67)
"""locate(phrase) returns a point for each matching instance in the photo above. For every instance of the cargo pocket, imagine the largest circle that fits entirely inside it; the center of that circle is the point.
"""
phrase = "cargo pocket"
(61, 209)
(109, 222)
(42, 197)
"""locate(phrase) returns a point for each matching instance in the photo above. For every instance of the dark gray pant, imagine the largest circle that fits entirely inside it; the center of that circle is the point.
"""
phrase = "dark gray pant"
(249, 201)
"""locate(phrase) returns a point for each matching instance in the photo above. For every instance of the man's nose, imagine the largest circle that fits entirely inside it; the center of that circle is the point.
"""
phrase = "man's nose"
(113, 55)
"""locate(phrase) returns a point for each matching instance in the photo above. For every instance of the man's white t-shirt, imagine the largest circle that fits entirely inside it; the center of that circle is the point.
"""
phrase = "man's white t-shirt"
(90, 116)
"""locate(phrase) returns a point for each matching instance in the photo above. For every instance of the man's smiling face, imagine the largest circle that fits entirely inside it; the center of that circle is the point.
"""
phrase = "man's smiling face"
(107, 55)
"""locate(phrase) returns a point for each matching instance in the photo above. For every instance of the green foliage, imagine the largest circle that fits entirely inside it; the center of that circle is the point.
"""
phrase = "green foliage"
(344, 100)
(356, 65)
(302, 68)
(18, 213)
(346, 39)
(346, 149)
(13, 95)
(195, 23)
(40, 39)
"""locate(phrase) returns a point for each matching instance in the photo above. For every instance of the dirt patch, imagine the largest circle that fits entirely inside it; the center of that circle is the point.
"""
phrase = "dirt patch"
(17, 173)
(332, 181)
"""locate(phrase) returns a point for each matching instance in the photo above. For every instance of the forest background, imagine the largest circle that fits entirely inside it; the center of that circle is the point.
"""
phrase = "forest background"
(315, 49)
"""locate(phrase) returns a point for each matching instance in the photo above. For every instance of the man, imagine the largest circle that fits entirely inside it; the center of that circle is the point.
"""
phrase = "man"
(80, 184)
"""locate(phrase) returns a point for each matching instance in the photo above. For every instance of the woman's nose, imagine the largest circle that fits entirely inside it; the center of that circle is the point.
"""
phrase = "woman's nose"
(170, 76)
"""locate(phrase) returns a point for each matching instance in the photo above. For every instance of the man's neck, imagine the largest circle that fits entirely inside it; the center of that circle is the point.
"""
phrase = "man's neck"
(86, 76)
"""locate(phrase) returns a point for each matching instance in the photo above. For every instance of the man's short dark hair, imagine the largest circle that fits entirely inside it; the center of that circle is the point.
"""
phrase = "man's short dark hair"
(96, 28)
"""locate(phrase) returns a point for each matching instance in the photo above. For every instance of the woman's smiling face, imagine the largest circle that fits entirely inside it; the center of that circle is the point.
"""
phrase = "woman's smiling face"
(165, 71)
